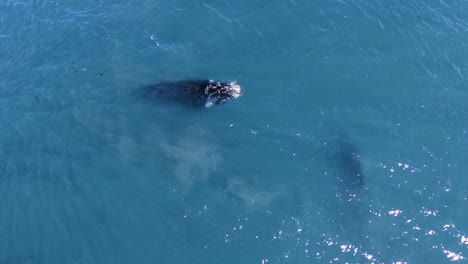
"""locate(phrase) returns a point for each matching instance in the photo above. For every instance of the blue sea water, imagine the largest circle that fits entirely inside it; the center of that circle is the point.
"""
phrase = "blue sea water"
(91, 171)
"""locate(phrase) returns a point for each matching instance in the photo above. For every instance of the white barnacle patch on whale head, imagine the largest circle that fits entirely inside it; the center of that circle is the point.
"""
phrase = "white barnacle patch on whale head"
(221, 92)
(236, 90)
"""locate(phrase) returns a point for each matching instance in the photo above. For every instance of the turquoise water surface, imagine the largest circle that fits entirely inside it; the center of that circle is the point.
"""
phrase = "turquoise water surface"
(92, 171)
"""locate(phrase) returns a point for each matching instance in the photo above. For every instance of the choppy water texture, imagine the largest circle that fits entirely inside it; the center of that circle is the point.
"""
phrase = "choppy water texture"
(92, 172)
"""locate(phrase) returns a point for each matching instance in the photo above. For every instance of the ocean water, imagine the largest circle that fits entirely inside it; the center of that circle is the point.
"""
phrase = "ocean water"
(92, 171)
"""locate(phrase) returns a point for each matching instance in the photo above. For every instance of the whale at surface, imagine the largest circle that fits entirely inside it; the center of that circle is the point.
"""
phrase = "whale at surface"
(197, 93)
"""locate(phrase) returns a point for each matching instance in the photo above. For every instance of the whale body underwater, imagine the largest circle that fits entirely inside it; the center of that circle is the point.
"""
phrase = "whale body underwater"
(350, 164)
(196, 93)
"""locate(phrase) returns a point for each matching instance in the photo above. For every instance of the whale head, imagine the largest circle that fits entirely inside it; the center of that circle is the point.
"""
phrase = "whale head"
(221, 92)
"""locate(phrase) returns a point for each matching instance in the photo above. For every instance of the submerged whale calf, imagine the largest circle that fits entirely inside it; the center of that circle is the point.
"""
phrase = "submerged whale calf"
(203, 93)
(352, 204)
(350, 164)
